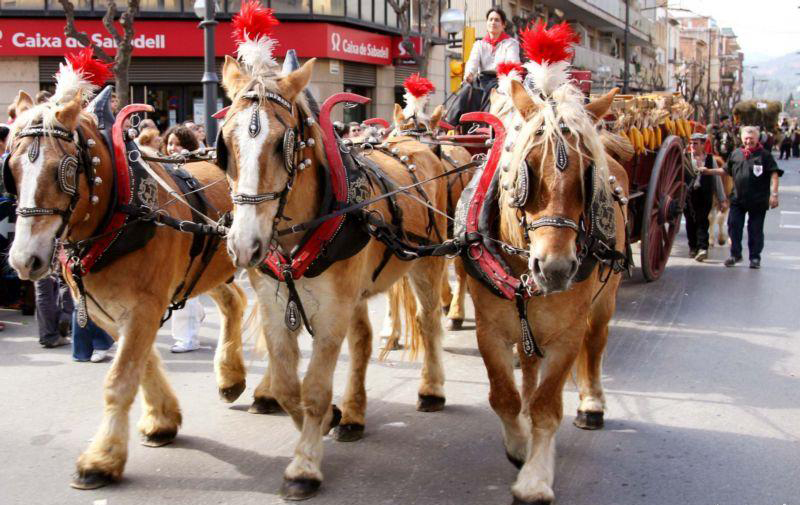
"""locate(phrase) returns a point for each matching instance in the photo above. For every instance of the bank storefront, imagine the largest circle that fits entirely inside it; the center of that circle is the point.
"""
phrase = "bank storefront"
(167, 64)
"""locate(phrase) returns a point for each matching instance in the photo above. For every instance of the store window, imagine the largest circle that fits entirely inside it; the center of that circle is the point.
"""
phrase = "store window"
(290, 6)
(23, 4)
(160, 6)
(329, 7)
(360, 112)
(380, 11)
(391, 16)
(352, 8)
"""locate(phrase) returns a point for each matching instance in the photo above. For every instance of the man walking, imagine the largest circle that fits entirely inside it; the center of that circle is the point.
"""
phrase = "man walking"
(755, 190)
(701, 199)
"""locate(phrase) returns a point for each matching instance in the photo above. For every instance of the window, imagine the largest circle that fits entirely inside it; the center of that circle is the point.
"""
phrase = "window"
(366, 10)
(23, 4)
(161, 5)
(80, 5)
(290, 5)
(391, 16)
(352, 8)
(329, 7)
(380, 11)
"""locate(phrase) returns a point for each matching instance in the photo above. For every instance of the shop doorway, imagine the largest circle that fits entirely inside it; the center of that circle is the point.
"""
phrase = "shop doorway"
(173, 103)
(360, 112)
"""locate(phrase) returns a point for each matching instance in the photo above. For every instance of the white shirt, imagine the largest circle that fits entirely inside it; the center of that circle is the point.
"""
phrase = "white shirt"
(482, 58)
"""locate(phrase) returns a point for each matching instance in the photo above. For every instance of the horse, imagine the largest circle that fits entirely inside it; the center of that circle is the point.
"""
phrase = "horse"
(452, 157)
(268, 129)
(62, 171)
(554, 147)
(717, 217)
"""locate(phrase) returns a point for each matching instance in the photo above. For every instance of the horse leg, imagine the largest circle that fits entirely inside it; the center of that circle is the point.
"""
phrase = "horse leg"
(425, 279)
(503, 395)
(722, 220)
(447, 292)
(456, 314)
(590, 364)
(354, 403)
(228, 361)
(161, 414)
(263, 400)
(104, 460)
(534, 483)
(303, 476)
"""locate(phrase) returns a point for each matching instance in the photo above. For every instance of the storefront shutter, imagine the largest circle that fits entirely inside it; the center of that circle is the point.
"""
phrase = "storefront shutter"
(359, 74)
(145, 70)
(402, 72)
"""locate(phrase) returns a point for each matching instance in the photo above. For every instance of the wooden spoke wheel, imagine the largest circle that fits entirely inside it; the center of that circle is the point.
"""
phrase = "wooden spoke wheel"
(663, 207)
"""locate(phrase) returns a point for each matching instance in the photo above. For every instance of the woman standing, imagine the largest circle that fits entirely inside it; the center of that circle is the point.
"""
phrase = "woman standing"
(185, 322)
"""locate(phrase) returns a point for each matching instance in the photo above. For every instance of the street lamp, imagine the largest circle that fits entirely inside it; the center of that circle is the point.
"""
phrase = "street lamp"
(452, 21)
(205, 10)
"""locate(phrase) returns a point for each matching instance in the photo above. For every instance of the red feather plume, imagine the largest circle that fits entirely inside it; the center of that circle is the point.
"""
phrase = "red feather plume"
(542, 45)
(95, 71)
(252, 21)
(418, 86)
(506, 67)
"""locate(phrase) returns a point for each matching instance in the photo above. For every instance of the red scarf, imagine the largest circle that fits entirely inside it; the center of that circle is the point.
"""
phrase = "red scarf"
(493, 42)
(749, 152)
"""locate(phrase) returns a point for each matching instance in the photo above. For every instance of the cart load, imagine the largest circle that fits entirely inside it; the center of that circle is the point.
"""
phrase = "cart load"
(761, 113)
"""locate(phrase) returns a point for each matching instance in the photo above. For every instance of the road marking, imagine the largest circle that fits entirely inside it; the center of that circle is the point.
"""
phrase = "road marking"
(790, 220)
(793, 212)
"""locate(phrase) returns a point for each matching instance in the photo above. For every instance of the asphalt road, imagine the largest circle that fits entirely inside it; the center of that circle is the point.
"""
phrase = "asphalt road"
(701, 377)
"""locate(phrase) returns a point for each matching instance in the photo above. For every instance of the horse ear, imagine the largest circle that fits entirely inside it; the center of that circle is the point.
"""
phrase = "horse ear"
(436, 115)
(22, 102)
(294, 83)
(233, 77)
(399, 118)
(522, 101)
(69, 113)
(599, 108)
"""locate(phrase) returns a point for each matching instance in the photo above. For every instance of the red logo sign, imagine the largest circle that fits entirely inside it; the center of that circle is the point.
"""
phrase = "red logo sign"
(174, 38)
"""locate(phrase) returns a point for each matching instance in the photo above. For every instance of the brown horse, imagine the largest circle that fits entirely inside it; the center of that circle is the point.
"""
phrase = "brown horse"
(267, 183)
(717, 217)
(452, 157)
(570, 320)
(128, 296)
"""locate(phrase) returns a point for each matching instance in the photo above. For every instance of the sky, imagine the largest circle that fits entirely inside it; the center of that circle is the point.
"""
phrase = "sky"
(766, 28)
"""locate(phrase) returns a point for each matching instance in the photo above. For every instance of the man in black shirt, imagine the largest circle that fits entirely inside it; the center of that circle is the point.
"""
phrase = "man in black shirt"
(755, 189)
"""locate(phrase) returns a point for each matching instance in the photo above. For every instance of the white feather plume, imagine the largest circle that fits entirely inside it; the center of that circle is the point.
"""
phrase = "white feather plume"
(69, 82)
(504, 81)
(547, 77)
(257, 54)
(415, 106)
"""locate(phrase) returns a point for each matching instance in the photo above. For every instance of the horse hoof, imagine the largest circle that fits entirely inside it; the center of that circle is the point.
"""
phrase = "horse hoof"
(231, 393)
(430, 403)
(589, 420)
(336, 418)
(455, 324)
(159, 438)
(299, 489)
(91, 480)
(514, 461)
(265, 406)
(350, 432)
(517, 501)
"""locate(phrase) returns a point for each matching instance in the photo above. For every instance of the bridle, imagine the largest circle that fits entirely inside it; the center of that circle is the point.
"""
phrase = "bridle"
(67, 174)
(294, 142)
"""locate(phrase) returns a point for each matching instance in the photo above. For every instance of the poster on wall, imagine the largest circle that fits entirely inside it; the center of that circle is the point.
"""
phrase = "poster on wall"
(199, 110)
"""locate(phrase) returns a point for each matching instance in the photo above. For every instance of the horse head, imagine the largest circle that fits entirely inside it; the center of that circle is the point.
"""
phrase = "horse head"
(262, 146)
(418, 125)
(50, 170)
(548, 175)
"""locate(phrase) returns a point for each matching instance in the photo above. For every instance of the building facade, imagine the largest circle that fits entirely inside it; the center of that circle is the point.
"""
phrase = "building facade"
(356, 43)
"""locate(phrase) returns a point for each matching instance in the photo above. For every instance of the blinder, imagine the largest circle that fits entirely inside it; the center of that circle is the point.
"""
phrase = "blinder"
(222, 152)
(519, 197)
(8, 178)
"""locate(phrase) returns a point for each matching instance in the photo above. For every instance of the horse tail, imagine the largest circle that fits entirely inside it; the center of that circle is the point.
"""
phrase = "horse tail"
(616, 145)
(403, 304)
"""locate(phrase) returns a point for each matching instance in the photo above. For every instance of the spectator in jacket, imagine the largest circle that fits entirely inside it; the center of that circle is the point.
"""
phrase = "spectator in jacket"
(755, 190)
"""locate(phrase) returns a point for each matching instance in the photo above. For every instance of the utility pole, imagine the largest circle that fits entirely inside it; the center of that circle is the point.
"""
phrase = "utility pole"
(625, 70)
(708, 83)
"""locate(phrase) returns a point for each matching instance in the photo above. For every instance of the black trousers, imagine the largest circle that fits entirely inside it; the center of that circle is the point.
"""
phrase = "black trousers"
(785, 152)
(696, 213)
(755, 229)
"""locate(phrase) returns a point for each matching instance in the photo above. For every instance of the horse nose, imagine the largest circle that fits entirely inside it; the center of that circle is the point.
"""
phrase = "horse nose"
(257, 252)
(554, 272)
(28, 268)
(245, 252)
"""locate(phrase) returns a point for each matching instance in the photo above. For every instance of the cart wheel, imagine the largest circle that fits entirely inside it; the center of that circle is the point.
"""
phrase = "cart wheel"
(663, 207)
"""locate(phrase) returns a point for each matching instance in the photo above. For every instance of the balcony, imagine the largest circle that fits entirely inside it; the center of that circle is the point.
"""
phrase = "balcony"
(607, 15)
(592, 60)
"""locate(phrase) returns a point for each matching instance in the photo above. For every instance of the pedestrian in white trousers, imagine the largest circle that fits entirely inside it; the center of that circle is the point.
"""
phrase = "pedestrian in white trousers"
(186, 326)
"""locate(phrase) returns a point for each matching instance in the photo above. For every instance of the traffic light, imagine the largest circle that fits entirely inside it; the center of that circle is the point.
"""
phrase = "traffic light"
(456, 66)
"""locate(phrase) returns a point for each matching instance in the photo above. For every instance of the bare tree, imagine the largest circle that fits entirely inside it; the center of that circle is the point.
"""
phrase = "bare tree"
(124, 41)
(428, 9)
